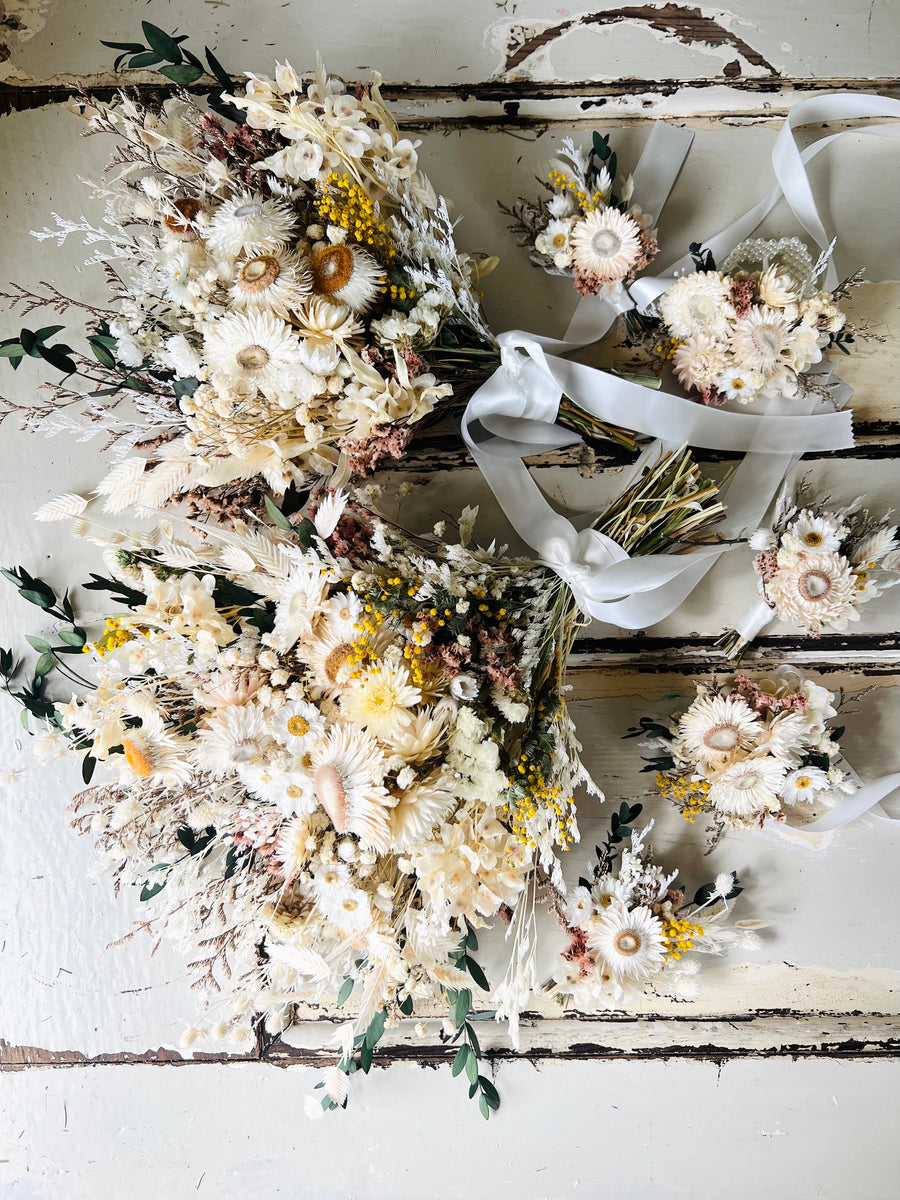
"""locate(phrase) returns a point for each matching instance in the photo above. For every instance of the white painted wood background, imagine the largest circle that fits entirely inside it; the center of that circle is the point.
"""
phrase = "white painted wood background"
(783, 1077)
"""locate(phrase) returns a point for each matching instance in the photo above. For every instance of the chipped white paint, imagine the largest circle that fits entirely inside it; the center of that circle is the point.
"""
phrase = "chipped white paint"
(627, 1130)
(826, 974)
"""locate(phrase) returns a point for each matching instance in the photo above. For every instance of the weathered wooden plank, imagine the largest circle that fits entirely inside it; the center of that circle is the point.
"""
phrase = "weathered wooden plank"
(753, 39)
(626, 1129)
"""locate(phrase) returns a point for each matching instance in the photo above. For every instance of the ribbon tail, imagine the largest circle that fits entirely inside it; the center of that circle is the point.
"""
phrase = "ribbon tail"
(866, 799)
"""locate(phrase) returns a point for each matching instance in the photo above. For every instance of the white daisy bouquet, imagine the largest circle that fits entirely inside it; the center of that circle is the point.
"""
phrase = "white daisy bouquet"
(747, 751)
(331, 753)
(753, 329)
(285, 286)
(817, 564)
(587, 228)
(631, 931)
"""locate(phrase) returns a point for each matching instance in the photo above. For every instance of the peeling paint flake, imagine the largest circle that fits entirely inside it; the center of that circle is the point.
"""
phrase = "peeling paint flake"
(524, 46)
(20, 20)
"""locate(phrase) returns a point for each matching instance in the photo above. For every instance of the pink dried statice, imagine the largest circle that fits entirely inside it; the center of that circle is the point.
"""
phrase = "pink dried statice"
(415, 364)
(366, 454)
(766, 564)
(241, 148)
(351, 539)
(759, 701)
(577, 951)
(742, 291)
(587, 285)
(712, 397)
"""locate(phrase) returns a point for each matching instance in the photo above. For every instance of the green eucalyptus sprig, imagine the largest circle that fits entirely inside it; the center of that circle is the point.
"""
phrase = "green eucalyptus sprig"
(469, 1055)
(167, 54)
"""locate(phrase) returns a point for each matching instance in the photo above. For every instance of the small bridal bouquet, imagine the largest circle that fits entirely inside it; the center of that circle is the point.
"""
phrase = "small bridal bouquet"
(747, 751)
(753, 329)
(587, 228)
(816, 565)
(632, 932)
(284, 286)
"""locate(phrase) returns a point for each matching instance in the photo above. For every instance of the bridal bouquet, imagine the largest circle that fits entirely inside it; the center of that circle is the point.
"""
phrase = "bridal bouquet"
(632, 933)
(816, 565)
(753, 329)
(587, 228)
(749, 750)
(332, 752)
(284, 285)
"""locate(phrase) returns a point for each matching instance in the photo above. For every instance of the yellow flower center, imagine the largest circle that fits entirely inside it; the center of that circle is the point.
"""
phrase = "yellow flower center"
(813, 538)
(293, 792)
(298, 726)
(803, 782)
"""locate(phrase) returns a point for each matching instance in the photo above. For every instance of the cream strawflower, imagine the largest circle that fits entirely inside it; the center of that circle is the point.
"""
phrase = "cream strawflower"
(348, 275)
(230, 739)
(253, 352)
(784, 738)
(815, 590)
(421, 737)
(606, 243)
(300, 601)
(760, 339)
(630, 943)
(381, 699)
(250, 224)
(699, 362)
(421, 808)
(777, 288)
(699, 303)
(347, 771)
(715, 727)
(278, 282)
(747, 787)
(292, 851)
(804, 785)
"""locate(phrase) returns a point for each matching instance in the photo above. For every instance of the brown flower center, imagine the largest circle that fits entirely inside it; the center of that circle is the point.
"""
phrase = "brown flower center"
(814, 585)
(252, 358)
(332, 269)
(258, 274)
(188, 209)
(336, 660)
(627, 942)
(813, 539)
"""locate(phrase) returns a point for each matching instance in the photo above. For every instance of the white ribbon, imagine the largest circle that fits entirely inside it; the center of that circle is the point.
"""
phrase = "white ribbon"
(513, 414)
(866, 799)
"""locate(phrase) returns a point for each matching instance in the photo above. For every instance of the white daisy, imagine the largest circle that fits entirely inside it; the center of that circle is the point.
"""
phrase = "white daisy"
(630, 944)
(699, 361)
(253, 352)
(421, 808)
(380, 701)
(342, 612)
(250, 224)
(231, 739)
(579, 906)
(606, 243)
(339, 901)
(554, 241)
(291, 792)
(818, 533)
(814, 590)
(699, 303)
(278, 282)
(737, 384)
(803, 786)
(747, 787)
(715, 727)
(347, 771)
(348, 275)
(297, 725)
